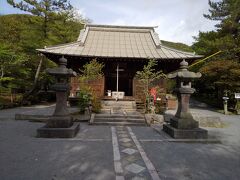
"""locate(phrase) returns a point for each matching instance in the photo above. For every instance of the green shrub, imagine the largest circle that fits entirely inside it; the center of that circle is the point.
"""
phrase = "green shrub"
(237, 107)
(160, 107)
(84, 100)
(96, 104)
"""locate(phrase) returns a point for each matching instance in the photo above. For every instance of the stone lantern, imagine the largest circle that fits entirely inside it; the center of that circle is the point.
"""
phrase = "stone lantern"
(182, 125)
(60, 124)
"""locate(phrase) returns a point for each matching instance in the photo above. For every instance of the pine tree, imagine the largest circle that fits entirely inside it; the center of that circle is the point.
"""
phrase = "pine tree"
(227, 12)
(49, 10)
(222, 73)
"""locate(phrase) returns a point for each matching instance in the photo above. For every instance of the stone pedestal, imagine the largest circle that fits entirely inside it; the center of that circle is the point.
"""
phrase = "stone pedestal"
(196, 133)
(48, 132)
(60, 124)
(182, 125)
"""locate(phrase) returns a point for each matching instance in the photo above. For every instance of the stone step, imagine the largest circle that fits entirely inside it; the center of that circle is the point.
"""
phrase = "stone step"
(112, 107)
(118, 104)
(119, 120)
(119, 123)
(140, 107)
(142, 111)
(118, 113)
(118, 116)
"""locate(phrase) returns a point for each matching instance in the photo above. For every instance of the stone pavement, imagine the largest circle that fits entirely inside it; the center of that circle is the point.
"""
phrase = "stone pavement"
(8, 114)
(116, 152)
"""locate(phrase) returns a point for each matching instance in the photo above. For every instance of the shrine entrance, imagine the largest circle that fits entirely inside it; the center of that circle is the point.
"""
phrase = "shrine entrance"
(119, 77)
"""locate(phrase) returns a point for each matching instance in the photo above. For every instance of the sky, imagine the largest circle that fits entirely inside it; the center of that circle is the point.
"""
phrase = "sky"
(176, 20)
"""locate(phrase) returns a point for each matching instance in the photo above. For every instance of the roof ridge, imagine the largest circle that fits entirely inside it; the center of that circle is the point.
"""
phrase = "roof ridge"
(60, 45)
(121, 26)
(155, 38)
(83, 35)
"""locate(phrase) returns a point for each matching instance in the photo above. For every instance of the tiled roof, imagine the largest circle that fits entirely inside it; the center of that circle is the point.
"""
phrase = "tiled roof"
(120, 42)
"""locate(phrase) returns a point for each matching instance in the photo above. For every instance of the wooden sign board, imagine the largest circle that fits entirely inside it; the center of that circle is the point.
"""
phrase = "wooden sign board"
(237, 95)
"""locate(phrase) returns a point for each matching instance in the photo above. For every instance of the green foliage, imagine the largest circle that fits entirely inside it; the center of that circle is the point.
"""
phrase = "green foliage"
(49, 10)
(237, 106)
(147, 76)
(219, 76)
(222, 73)
(205, 43)
(171, 84)
(227, 13)
(18, 51)
(92, 70)
(13, 72)
(211, 42)
(179, 46)
(51, 22)
(160, 107)
(96, 103)
(227, 36)
(84, 100)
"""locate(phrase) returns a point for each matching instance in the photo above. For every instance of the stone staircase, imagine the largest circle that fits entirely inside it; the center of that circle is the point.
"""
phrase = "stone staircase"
(118, 113)
(116, 107)
(140, 106)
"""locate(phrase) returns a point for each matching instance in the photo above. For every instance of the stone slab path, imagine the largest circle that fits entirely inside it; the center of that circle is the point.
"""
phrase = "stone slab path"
(130, 160)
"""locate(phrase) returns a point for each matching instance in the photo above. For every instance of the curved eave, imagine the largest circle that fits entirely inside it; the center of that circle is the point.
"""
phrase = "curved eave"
(43, 51)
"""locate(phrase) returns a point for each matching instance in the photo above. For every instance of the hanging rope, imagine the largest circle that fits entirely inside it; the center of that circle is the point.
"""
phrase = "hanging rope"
(204, 59)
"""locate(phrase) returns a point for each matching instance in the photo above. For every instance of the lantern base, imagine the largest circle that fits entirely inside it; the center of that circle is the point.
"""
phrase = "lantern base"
(186, 122)
(46, 132)
(196, 133)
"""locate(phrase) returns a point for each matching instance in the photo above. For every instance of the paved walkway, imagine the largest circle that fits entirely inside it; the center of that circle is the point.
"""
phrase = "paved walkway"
(115, 152)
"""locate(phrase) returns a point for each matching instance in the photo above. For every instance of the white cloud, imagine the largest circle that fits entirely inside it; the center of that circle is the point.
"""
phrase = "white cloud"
(177, 20)
(119, 21)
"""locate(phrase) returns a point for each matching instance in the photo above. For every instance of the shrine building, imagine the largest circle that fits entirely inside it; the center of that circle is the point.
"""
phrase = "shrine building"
(124, 50)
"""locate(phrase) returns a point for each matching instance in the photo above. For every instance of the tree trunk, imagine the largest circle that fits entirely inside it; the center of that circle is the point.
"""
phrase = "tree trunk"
(2, 72)
(35, 85)
(11, 95)
(38, 71)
